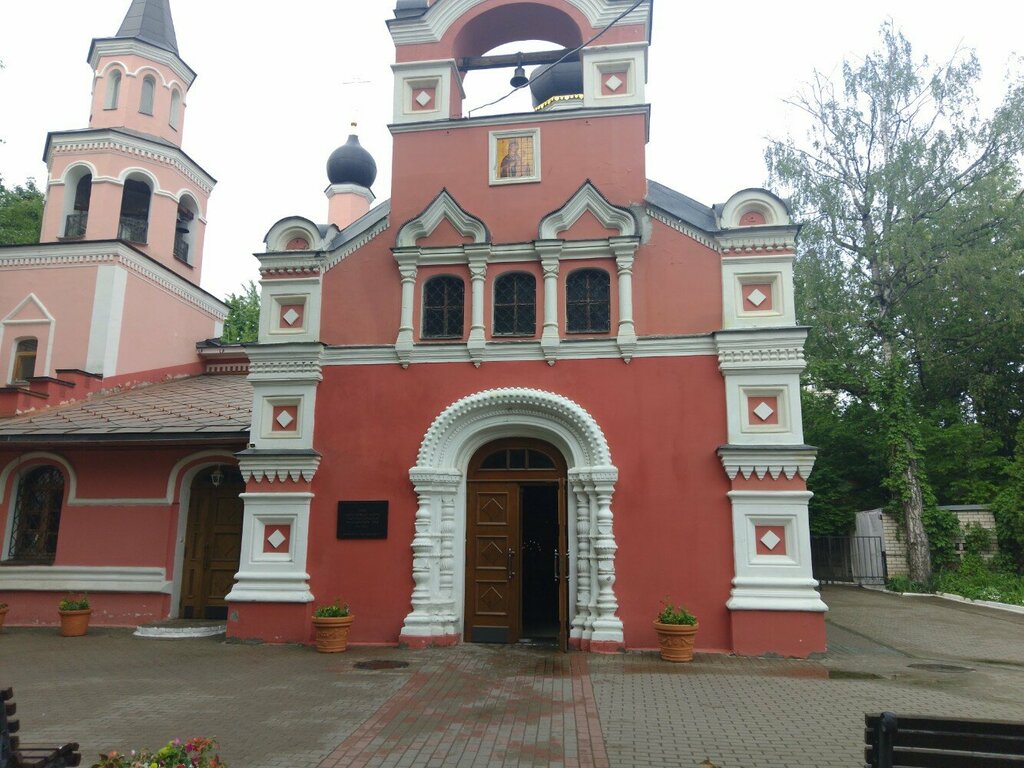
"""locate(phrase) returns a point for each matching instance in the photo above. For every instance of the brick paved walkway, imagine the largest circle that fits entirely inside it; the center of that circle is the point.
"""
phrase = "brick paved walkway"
(289, 707)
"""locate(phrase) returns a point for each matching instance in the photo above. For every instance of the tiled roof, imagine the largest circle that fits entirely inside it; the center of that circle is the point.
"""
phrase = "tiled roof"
(198, 406)
(682, 207)
(150, 21)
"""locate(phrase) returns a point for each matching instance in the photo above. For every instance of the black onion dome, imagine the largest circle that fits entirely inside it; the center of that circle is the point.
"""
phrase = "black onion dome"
(565, 79)
(351, 164)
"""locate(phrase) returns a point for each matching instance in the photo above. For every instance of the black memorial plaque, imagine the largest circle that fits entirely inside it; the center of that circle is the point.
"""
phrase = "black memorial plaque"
(362, 519)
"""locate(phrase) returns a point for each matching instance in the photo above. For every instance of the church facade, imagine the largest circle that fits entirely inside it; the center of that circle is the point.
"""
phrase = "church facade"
(528, 398)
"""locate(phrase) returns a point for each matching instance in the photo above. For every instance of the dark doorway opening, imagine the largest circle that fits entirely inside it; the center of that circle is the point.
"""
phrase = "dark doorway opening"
(541, 576)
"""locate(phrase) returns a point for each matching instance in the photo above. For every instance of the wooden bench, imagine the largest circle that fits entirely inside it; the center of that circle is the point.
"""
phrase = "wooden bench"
(937, 742)
(14, 754)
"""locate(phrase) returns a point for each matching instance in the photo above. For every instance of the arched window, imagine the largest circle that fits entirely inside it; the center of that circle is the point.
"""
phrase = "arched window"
(24, 361)
(134, 222)
(113, 90)
(37, 515)
(588, 301)
(515, 305)
(184, 229)
(77, 218)
(175, 109)
(443, 302)
(148, 95)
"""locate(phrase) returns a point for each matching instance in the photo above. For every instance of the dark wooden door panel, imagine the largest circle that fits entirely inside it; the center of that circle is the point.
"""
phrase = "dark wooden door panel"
(492, 595)
(213, 545)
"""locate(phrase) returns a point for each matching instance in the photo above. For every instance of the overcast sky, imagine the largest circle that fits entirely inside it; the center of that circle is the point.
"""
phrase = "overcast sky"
(279, 84)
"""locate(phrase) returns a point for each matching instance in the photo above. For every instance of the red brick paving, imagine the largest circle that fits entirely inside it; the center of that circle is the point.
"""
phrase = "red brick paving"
(510, 707)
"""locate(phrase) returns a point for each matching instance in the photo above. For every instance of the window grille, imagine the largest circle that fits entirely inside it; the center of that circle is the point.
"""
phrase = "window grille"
(515, 305)
(588, 301)
(443, 302)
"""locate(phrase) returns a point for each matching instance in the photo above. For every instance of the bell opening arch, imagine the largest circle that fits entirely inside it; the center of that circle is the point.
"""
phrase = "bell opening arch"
(439, 479)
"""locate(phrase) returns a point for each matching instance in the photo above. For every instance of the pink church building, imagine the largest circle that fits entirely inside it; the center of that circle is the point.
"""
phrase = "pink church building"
(526, 399)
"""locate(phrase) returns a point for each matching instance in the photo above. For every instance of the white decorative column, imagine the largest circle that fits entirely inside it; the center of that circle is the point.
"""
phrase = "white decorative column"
(478, 277)
(434, 613)
(582, 621)
(625, 252)
(404, 343)
(550, 250)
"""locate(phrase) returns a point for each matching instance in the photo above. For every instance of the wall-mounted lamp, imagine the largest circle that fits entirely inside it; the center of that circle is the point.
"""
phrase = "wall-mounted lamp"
(217, 477)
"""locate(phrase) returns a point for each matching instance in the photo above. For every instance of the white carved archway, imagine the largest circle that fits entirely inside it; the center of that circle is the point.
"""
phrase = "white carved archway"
(439, 478)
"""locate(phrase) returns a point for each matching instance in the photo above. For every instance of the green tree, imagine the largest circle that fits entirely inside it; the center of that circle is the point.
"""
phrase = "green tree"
(243, 321)
(21, 213)
(1008, 507)
(899, 179)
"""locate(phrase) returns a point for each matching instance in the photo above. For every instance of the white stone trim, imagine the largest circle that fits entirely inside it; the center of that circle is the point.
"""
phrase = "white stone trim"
(516, 351)
(85, 253)
(588, 198)
(762, 462)
(290, 227)
(127, 46)
(107, 317)
(350, 189)
(439, 478)
(339, 255)
(278, 467)
(440, 74)
(776, 350)
(786, 386)
(522, 118)
(300, 289)
(12, 321)
(279, 580)
(597, 60)
(740, 271)
(107, 140)
(444, 206)
(80, 578)
(673, 223)
(432, 25)
(768, 582)
(760, 200)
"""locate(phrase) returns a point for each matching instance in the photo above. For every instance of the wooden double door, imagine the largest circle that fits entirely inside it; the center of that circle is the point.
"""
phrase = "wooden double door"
(517, 563)
(213, 544)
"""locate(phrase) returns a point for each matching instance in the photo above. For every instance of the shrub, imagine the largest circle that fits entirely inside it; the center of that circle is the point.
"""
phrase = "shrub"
(331, 610)
(977, 540)
(905, 584)
(978, 580)
(194, 753)
(670, 614)
(74, 602)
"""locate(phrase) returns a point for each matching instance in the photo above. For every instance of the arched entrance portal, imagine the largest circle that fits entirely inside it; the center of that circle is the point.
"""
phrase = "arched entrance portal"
(459, 434)
(517, 563)
(213, 543)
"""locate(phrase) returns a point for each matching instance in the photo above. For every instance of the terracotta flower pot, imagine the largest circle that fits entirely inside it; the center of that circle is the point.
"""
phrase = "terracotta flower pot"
(676, 640)
(332, 633)
(74, 623)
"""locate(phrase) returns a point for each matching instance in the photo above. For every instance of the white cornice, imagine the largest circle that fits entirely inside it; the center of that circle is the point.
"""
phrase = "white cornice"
(279, 468)
(758, 240)
(432, 25)
(80, 578)
(569, 349)
(102, 139)
(86, 253)
(129, 46)
(285, 362)
(588, 198)
(768, 461)
(763, 349)
(442, 207)
(534, 118)
(673, 223)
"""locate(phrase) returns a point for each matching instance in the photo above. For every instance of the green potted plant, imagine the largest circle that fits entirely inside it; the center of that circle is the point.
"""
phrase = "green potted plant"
(676, 628)
(3, 614)
(74, 613)
(332, 622)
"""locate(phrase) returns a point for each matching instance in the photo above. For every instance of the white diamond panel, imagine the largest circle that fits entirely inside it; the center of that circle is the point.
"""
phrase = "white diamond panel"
(756, 297)
(276, 538)
(284, 419)
(613, 83)
(764, 411)
(423, 98)
(770, 540)
(290, 316)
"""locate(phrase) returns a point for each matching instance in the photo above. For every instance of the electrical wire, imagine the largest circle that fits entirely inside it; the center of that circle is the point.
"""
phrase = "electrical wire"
(567, 54)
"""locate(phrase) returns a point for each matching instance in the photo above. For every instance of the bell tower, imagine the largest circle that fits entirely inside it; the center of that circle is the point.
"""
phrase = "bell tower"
(125, 177)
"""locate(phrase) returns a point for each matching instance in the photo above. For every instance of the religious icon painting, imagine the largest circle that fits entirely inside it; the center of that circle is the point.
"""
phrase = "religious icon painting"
(515, 157)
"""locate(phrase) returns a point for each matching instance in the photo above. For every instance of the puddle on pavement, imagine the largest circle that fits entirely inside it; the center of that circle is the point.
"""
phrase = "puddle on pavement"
(377, 664)
(845, 674)
(947, 668)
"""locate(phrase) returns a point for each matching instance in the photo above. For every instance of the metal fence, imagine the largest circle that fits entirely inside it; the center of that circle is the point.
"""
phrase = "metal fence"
(848, 559)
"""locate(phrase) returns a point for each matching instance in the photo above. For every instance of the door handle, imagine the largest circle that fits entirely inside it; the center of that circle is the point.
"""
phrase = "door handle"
(511, 571)
(558, 567)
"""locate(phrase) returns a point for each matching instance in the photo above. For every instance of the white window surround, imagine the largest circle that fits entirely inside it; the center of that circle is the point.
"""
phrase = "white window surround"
(772, 583)
(439, 479)
(80, 578)
(112, 97)
(777, 295)
(492, 156)
(549, 251)
(759, 200)
(17, 326)
(147, 98)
